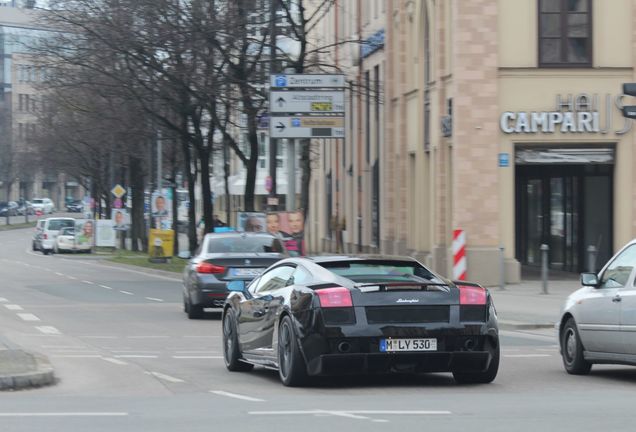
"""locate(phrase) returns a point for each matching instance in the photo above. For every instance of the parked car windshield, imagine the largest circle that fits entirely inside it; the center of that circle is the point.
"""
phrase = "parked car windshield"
(56, 225)
(381, 271)
(245, 244)
(38, 201)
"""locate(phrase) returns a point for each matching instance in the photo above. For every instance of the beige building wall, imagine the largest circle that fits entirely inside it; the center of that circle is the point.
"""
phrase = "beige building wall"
(483, 59)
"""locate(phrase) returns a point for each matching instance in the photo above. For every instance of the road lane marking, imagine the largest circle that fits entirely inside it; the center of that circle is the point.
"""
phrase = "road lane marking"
(14, 307)
(59, 274)
(49, 330)
(353, 414)
(106, 287)
(88, 282)
(154, 299)
(527, 355)
(196, 352)
(236, 396)
(147, 337)
(71, 277)
(76, 355)
(196, 357)
(165, 377)
(134, 352)
(136, 356)
(3, 300)
(115, 361)
(126, 292)
(64, 414)
(99, 337)
(28, 317)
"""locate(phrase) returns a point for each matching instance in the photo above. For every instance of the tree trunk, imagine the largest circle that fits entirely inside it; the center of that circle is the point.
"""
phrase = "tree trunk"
(192, 215)
(226, 180)
(138, 222)
(206, 192)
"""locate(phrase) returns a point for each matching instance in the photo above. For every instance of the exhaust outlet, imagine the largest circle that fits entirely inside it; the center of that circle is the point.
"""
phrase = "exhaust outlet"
(469, 345)
(344, 347)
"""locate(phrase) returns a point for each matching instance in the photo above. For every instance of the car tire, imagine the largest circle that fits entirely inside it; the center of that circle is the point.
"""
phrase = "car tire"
(231, 352)
(572, 350)
(194, 311)
(291, 365)
(486, 376)
(46, 251)
(33, 246)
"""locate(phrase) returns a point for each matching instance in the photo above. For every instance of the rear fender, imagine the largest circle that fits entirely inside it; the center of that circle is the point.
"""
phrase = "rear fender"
(297, 327)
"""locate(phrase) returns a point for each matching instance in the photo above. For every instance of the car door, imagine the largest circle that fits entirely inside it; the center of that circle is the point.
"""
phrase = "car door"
(628, 313)
(257, 313)
(599, 313)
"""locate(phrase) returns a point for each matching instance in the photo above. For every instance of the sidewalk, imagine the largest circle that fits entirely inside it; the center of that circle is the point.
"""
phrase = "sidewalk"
(524, 306)
(20, 369)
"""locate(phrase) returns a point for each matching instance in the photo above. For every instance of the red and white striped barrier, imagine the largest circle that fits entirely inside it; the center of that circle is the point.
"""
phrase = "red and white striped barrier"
(459, 255)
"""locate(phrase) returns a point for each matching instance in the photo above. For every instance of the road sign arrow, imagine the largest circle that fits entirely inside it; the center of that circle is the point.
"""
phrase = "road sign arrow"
(280, 126)
(281, 102)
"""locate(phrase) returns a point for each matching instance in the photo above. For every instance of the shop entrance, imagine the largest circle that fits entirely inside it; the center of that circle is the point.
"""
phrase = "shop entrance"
(566, 206)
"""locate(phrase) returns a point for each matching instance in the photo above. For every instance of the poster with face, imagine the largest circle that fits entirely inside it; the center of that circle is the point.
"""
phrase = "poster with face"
(120, 219)
(251, 222)
(161, 209)
(84, 233)
(290, 227)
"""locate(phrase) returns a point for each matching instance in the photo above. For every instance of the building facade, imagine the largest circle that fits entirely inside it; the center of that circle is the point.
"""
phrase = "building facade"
(497, 117)
(20, 172)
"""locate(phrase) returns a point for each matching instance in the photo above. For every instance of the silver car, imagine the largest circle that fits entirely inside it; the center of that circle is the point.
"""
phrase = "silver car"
(598, 321)
(221, 258)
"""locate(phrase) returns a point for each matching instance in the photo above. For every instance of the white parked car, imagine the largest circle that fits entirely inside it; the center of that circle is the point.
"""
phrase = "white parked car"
(598, 322)
(50, 231)
(45, 205)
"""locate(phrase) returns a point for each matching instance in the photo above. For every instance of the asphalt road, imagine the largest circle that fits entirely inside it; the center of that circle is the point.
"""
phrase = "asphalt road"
(128, 359)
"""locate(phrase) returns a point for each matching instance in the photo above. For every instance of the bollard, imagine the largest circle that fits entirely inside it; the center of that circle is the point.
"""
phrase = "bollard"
(591, 259)
(544, 267)
(502, 269)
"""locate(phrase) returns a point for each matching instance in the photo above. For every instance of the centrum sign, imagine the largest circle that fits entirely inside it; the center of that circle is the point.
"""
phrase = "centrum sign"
(307, 81)
(583, 113)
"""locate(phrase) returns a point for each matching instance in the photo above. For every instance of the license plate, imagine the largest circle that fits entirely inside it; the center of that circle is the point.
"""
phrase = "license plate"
(247, 271)
(399, 345)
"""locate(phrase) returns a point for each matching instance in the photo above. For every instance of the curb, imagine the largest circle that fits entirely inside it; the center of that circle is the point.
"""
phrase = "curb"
(43, 375)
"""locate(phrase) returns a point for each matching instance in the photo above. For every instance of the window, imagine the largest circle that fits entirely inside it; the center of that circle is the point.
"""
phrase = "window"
(617, 273)
(565, 33)
(300, 277)
(274, 279)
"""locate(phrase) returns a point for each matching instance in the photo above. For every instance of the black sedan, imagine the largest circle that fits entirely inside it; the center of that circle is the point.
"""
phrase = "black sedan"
(224, 257)
(349, 315)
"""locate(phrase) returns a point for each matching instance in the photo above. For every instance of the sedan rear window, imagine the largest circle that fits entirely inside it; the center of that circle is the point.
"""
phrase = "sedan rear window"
(381, 271)
(56, 225)
(245, 244)
(38, 201)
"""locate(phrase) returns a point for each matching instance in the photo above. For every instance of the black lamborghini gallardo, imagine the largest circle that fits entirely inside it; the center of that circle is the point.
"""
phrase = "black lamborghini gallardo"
(348, 315)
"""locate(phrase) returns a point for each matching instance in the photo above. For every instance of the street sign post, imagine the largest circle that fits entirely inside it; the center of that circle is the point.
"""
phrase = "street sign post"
(307, 81)
(316, 101)
(307, 106)
(307, 127)
(118, 191)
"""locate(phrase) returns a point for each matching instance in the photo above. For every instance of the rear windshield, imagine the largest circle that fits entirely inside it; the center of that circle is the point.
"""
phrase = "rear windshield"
(381, 271)
(245, 244)
(56, 225)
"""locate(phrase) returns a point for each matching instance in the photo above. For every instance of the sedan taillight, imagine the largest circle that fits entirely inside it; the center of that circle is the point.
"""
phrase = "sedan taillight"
(209, 268)
(334, 297)
(471, 295)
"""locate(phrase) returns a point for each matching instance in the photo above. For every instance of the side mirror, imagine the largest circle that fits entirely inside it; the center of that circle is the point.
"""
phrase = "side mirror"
(184, 255)
(589, 279)
(236, 285)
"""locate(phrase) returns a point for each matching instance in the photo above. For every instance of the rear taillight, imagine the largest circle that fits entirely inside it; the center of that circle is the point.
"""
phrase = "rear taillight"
(471, 295)
(45, 236)
(206, 267)
(334, 297)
